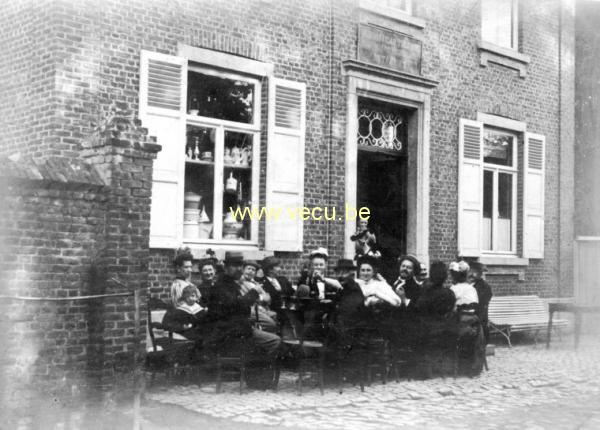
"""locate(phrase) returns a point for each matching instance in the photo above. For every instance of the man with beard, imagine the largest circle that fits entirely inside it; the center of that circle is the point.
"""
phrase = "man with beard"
(406, 286)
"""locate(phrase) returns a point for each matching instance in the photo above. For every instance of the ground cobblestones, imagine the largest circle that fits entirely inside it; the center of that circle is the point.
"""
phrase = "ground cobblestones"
(526, 387)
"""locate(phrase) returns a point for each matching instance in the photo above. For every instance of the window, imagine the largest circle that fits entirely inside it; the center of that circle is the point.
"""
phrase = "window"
(499, 22)
(207, 118)
(403, 5)
(222, 127)
(488, 178)
(499, 191)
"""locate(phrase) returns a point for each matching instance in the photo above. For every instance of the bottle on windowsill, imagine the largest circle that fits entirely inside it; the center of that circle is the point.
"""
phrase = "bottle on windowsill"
(196, 148)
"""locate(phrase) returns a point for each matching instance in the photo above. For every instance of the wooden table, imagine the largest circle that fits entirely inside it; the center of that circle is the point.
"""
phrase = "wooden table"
(577, 310)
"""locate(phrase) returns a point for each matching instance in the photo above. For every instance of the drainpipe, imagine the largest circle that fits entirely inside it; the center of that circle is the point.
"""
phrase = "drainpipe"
(560, 142)
(331, 112)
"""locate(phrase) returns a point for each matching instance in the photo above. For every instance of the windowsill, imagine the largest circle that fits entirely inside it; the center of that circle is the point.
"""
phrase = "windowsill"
(250, 250)
(491, 53)
(493, 260)
(391, 13)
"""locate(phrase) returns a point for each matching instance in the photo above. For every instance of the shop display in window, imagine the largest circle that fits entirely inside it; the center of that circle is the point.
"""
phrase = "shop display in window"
(219, 156)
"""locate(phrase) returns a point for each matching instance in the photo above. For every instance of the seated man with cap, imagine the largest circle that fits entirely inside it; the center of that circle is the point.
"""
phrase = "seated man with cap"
(313, 282)
(229, 311)
(351, 301)
(274, 283)
(259, 311)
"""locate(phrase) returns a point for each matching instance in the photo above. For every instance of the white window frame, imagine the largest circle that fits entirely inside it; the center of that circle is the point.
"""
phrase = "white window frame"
(514, 26)
(514, 171)
(221, 127)
(407, 10)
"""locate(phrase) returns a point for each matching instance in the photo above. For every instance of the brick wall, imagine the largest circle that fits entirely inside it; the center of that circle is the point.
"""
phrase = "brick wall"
(95, 48)
(66, 228)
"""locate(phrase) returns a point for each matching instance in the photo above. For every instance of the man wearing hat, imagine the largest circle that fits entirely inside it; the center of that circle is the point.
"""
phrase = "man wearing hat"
(406, 286)
(313, 282)
(229, 310)
(275, 284)
(484, 294)
(260, 309)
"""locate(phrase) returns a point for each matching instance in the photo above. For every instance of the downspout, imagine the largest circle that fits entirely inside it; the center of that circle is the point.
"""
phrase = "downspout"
(331, 112)
(560, 142)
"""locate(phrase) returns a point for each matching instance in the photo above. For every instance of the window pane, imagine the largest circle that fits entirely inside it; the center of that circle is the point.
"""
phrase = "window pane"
(220, 98)
(237, 195)
(505, 205)
(498, 147)
(199, 183)
(496, 22)
(488, 207)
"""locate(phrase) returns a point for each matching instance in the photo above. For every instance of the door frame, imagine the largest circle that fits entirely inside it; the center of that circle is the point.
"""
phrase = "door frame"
(405, 93)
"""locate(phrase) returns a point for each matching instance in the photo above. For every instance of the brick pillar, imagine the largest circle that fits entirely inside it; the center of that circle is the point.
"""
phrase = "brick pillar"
(123, 153)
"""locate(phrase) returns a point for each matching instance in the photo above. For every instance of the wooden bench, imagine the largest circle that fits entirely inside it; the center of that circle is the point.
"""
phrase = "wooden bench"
(508, 314)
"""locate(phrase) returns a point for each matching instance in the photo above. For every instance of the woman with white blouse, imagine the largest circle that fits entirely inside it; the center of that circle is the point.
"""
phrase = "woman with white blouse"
(375, 289)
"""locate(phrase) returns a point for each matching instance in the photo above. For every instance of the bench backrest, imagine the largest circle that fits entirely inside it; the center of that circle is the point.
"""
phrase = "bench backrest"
(506, 308)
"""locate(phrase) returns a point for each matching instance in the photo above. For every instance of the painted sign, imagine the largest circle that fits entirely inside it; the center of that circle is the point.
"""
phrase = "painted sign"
(390, 49)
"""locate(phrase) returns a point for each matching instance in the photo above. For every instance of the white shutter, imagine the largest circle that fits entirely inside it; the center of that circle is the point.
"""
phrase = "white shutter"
(285, 164)
(470, 187)
(533, 195)
(163, 86)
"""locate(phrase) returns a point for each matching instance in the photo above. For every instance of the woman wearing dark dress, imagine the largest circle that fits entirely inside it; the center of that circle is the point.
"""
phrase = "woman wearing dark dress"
(434, 325)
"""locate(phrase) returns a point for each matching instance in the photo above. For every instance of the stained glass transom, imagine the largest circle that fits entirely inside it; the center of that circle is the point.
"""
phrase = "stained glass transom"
(380, 129)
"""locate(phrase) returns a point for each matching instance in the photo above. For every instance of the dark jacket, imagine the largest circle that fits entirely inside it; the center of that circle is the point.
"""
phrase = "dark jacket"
(286, 290)
(229, 310)
(435, 301)
(484, 294)
(176, 319)
(351, 311)
(308, 279)
(412, 290)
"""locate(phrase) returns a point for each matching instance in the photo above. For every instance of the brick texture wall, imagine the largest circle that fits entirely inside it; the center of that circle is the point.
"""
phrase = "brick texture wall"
(94, 48)
(66, 228)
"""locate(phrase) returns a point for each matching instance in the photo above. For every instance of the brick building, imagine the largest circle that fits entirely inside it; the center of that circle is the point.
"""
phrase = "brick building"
(452, 121)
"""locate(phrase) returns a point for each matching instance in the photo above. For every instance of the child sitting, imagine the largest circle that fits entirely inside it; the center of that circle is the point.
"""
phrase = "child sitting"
(187, 318)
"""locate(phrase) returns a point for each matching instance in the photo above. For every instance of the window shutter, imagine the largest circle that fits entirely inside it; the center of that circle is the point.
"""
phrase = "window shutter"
(163, 85)
(533, 195)
(285, 164)
(470, 187)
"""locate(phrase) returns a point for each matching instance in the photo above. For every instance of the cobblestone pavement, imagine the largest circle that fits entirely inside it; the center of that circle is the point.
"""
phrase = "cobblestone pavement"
(526, 387)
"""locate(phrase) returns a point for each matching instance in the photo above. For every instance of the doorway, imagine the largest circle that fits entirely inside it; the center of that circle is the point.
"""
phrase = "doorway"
(382, 176)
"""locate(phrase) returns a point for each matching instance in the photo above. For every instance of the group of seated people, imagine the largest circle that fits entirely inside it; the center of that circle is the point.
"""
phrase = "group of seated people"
(249, 302)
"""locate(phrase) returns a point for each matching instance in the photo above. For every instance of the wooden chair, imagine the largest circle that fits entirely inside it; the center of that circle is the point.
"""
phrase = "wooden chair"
(168, 350)
(476, 341)
(236, 362)
(310, 352)
(232, 363)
